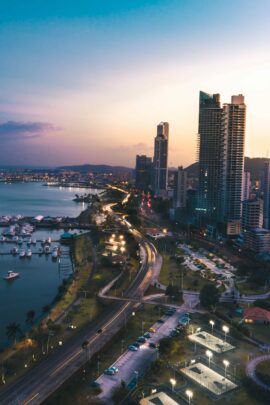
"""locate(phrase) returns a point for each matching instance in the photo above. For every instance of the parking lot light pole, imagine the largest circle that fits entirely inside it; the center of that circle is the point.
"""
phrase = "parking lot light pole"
(209, 354)
(225, 330)
(226, 364)
(189, 394)
(173, 383)
(212, 323)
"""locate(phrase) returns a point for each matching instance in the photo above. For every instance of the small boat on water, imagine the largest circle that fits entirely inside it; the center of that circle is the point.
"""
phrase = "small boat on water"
(48, 241)
(20, 241)
(11, 275)
(2, 239)
(40, 250)
(14, 250)
(29, 242)
(29, 253)
(15, 239)
(22, 254)
(47, 250)
(34, 241)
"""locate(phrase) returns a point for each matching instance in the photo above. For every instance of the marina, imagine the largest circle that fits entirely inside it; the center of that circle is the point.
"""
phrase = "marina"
(33, 260)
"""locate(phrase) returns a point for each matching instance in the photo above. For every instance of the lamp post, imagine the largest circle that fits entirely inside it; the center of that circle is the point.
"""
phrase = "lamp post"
(189, 394)
(173, 383)
(212, 323)
(226, 364)
(209, 354)
(225, 330)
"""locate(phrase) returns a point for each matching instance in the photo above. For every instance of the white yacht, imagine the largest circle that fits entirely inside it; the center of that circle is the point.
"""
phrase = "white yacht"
(29, 253)
(22, 254)
(11, 275)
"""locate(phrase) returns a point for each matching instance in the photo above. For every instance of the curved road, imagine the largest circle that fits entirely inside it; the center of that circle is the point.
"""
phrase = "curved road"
(44, 379)
(251, 370)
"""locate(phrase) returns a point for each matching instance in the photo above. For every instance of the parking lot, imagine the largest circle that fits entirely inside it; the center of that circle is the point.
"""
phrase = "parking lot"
(132, 365)
(208, 378)
(210, 341)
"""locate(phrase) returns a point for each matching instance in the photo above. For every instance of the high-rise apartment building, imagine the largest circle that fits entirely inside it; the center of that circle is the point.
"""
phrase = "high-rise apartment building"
(221, 160)
(252, 215)
(246, 186)
(266, 196)
(180, 188)
(209, 154)
(160, 160)
(233, 138)
(143, 172)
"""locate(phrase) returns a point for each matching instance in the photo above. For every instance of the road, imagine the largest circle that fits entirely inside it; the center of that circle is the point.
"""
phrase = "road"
(251, 370)
(41, 381)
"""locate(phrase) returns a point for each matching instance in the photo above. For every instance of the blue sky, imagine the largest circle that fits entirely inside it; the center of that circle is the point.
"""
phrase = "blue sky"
(93, 78)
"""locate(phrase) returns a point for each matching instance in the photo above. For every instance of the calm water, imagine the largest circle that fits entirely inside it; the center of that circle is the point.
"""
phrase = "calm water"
(39, 276)
(33, 199)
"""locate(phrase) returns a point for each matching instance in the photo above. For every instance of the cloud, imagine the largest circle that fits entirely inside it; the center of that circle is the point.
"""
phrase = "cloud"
(14, 130)
(137, 148)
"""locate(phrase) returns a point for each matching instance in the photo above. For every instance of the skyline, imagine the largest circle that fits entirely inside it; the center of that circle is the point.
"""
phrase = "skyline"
(87, 82)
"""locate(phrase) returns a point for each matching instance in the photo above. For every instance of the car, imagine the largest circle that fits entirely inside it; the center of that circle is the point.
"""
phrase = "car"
(136, 344)
(115, 369)
(109, 371)
(152, 345)
(160, 321)
(147, 335)
(196, 370)
(184, 322)
(99, 331)
(141, 339)
(152, 330)
(169, 313)
(132, 348)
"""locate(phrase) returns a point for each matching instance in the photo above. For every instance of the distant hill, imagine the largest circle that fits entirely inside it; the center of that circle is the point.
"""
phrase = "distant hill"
(97, 168)
(253, 165)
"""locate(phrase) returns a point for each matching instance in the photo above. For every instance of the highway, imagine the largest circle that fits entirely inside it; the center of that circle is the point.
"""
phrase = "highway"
(44, 379)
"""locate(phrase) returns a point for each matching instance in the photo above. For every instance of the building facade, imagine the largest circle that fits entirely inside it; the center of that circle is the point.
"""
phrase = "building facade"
(257, 240)
(160, 160)
(252, 215)
(246, 186)
(180, 188)
(143, 172)
(266, 196)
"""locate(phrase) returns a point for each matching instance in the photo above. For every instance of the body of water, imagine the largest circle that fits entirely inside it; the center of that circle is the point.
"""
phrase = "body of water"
(40, 276)
(32, 199)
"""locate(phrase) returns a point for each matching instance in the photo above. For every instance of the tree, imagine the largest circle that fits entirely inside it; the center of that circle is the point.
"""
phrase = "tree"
(30, 315)
(209, 296)
(13, 330)
(174, 291)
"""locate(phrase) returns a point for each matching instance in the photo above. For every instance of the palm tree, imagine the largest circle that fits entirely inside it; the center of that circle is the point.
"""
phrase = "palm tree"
(12, 331)
(30, 315)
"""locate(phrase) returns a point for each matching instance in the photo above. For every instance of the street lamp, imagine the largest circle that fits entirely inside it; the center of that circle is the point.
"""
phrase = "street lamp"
(121, 237)
(189, 394)
(173, 382)
(111, 240)
(113, 235)
(225, 330)
(212, 323)
(226, 364)
(122, 249)
(209, 354)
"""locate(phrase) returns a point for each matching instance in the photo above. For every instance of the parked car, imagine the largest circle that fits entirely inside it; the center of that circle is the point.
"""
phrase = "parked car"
(141, 339)
(109, 371)
(152, 345)
(152, 330)
(147, 335)
(132, 348)
(115, 369)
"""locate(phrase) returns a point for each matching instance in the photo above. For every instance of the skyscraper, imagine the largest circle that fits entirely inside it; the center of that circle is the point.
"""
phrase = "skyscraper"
(246, 186)
(180, 188)
(209, 154)
(143, 172)
(160, 161)
(233, 138)
(221, 160)
(266, 196)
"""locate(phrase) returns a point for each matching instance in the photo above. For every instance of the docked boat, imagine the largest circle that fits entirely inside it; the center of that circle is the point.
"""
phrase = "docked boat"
(47, 250)
(20, 241)
(14, 251)
(2, 239)
(40, 250)
(29, 242)
(29, 253)
(15, 239)
(34, 241)
(48, 241)
(11, 275)
(22, 254)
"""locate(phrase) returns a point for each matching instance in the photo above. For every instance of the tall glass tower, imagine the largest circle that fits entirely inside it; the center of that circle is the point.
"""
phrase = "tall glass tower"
(160, 160)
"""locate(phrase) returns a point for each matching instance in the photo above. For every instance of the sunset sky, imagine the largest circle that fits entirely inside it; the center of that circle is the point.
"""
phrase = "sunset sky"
(88, 81)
